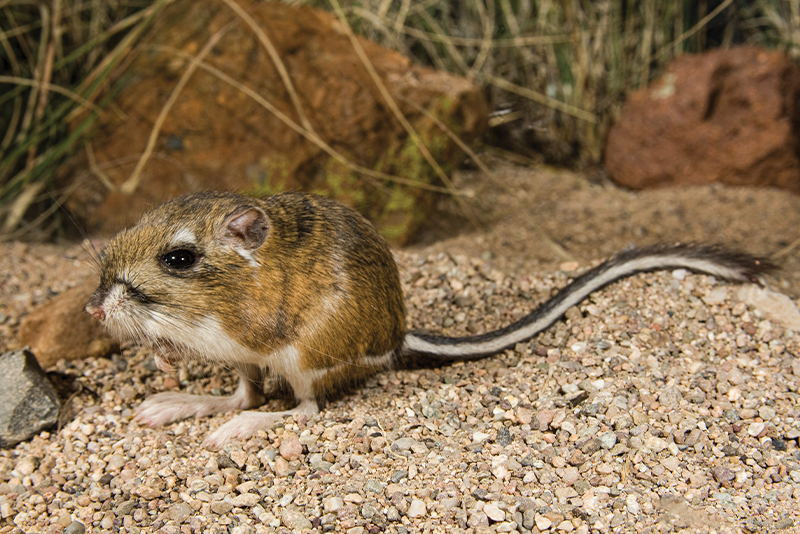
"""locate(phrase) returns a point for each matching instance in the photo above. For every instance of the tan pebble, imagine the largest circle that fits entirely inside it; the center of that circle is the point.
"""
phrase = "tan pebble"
(25, 466)
(671, 463)
(417, 508)
(221, 507)
(478, 437)
(494, 513)
(755, 429)
(115, 462)
(332, 504)
(604, 469)
(565, 526)
(245, 487)
(569, 266)
(170, 383)
(146, 492)
(354, 498)
(239, 458)
(542, 523)
(282, 467)
(245, 500)
(290, 448)
(570, 475)
(544, 417)
(524, 416)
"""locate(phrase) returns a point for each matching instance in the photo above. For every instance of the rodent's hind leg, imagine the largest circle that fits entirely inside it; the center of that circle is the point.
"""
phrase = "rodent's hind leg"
(166, 407)
(246, 424)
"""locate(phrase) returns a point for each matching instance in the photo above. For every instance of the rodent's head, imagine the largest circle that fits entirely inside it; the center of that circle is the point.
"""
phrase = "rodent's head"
(163, 280)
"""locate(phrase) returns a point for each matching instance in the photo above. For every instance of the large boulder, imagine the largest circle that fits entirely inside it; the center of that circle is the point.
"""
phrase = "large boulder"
(61, 328)
(729, 116)
(217, 137)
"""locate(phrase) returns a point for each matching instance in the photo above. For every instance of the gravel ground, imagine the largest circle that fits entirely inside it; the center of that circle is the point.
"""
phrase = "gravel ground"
(661, 404)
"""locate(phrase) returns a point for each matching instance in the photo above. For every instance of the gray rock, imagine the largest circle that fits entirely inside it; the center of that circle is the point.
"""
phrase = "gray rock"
(373, 486)
(75, 528)
(125, 508)
(28, 402)
(503, 437)
(399, 475)
(178, 512)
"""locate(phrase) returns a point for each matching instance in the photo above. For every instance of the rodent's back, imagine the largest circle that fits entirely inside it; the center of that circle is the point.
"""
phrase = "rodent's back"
(339, 283)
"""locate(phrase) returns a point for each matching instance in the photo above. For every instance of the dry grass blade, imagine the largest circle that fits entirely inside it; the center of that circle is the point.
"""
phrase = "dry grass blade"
(122, 49)
(514, 42)
(45, 86)
(693, 30)
(311, 136)
(542, 99)
(468, 211)
(131, 184)
(20, 205)
(53, 102)
(456, 139)
(487, 15)
(97, 171)
(276, 60)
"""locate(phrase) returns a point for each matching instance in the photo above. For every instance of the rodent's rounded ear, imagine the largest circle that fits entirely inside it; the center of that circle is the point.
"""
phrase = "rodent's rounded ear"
(247, 228)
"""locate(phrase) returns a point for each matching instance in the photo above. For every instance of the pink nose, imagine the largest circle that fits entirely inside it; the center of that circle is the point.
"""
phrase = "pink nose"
(98, 313)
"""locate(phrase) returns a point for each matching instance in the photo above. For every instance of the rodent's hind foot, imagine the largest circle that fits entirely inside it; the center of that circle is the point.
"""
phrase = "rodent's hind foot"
(246, 424)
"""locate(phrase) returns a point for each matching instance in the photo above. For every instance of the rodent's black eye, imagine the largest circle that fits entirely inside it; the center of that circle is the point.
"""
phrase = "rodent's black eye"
(180, 258)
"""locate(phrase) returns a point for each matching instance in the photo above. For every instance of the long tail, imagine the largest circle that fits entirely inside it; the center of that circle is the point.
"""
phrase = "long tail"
(422, 349)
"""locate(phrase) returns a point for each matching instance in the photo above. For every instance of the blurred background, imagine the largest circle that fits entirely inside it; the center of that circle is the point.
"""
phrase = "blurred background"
(433, 118)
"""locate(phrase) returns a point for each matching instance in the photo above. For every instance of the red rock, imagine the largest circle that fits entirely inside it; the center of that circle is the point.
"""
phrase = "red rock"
(61, 328)
(217, 137)
(729, 116)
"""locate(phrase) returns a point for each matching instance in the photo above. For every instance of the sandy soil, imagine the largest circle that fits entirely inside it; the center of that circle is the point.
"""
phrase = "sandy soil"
(662, 404)
(533, 220)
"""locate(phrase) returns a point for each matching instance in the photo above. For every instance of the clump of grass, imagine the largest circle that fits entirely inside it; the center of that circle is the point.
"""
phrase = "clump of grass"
(56, 61)
(556, 72)
(561, 70)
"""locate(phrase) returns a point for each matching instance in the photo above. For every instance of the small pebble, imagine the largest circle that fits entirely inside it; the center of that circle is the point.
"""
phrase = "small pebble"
(290, 447)
(75, 527)
(494, 513)
(332, 504)
(417, 508)
(542, 523)
(723, 474)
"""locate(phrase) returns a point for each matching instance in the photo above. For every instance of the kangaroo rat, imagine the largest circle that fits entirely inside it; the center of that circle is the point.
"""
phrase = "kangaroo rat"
(299, 287)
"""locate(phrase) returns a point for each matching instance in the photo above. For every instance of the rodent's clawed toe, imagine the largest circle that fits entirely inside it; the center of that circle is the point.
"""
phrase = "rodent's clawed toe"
(163, 364)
